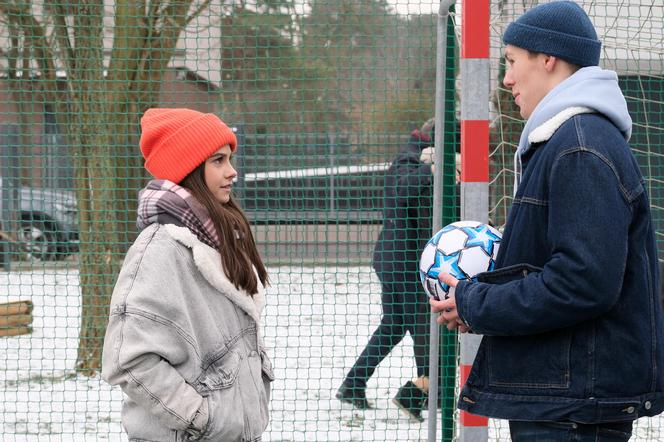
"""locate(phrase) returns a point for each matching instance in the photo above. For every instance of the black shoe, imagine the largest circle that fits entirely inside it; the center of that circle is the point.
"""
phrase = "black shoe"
(353, 395)
(412, 400)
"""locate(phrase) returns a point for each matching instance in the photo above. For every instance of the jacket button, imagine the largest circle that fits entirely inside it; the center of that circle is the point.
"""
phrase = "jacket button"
(648, 405)
(630, 410)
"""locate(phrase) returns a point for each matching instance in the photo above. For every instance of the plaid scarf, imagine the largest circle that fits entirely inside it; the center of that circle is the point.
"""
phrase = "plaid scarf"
(164, 202)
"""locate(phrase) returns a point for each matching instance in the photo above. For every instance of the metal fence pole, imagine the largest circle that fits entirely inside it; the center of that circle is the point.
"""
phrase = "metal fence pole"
(475, 80)
(441, 65)
(240, 155)
(331, 144)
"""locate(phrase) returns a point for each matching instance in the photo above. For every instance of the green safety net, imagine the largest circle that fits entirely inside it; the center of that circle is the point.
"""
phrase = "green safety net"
(323, 96)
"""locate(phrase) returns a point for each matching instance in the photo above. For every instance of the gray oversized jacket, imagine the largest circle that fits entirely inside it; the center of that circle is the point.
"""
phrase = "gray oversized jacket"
(183, 344)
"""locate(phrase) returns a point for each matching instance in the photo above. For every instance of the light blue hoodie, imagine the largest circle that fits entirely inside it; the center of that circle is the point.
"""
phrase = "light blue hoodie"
(590, 87)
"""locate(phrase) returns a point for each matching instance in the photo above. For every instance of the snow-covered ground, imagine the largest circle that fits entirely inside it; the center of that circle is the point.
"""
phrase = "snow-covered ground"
(316, 322)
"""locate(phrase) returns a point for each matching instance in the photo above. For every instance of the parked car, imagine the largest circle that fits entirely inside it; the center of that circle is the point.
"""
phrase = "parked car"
(47, 222)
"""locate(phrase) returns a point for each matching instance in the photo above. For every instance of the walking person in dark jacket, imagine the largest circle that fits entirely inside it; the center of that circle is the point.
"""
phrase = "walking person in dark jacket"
(406, 228)
(572, 323)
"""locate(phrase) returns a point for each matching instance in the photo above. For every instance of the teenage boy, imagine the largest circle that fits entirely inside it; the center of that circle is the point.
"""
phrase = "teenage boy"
(573, 345)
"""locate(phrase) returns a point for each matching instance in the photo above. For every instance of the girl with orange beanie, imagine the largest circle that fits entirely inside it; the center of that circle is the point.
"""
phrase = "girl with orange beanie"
(183, 339)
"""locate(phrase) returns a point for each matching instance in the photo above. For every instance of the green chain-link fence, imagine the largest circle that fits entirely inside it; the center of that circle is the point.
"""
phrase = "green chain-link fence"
(323, 95)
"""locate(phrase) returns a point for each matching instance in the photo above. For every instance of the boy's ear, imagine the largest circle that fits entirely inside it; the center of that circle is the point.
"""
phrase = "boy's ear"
(550, 62)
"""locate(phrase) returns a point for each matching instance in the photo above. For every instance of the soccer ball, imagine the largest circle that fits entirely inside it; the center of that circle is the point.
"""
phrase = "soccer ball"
(462, 249)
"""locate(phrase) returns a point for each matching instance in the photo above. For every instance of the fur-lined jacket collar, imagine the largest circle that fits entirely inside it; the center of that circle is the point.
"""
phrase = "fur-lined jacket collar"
(208, 261)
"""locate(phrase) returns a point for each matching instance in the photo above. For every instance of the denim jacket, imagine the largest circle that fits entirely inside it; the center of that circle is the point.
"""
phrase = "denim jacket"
(183, 344)
(572, 321)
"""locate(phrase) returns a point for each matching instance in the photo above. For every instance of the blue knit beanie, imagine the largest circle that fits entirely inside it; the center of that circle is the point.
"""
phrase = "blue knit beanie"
(561, 29)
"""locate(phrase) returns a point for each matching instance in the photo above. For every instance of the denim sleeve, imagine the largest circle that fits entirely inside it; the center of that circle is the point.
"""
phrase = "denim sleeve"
(143, 345)
(137, 359)
(587, 229)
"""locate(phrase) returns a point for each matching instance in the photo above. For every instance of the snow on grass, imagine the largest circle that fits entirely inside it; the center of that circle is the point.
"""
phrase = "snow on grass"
(317, 321)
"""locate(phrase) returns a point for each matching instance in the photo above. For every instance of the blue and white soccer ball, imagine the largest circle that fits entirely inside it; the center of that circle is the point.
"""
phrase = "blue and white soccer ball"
(463, 249)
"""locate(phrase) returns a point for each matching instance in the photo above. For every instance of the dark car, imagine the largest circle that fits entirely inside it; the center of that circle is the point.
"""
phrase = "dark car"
(47, 222)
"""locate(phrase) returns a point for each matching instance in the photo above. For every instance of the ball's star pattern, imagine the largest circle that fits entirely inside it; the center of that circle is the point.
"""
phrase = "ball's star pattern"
(456, 249)
(482, 237)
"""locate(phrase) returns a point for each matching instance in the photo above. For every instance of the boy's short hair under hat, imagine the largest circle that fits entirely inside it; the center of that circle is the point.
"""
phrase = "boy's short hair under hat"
(561, 28)
(174, 142)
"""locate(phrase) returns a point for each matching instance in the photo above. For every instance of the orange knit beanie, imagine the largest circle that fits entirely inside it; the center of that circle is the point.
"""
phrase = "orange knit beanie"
(174, 142)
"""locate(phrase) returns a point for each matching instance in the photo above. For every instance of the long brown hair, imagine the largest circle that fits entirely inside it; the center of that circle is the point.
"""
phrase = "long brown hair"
(237, 248)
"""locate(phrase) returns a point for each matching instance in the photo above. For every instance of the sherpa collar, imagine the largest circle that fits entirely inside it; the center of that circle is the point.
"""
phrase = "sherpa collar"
(546, 130)
(208, 261)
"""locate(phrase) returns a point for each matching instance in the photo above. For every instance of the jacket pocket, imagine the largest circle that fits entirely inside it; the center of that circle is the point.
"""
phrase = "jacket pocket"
(227, 420)
(535, 361)
(268, 377)
(507, 274)
(221, 372)
(266, 366)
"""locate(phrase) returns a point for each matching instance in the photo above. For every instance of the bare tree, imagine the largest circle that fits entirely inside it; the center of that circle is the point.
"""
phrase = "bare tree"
(97, 109)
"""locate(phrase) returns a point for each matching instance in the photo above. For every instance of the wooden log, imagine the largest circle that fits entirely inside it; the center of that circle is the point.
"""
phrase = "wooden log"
(16, 308)
(15, 318)
(15, 331)
(7, 321)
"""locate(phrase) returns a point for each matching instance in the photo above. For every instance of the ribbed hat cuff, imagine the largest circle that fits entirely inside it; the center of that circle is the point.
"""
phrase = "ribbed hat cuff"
(198, 139)
(577, 50)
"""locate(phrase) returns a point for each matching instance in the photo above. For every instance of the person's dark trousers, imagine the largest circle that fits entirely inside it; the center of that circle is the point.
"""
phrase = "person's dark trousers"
(399, 317)
(422, 334)
(570, 432)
